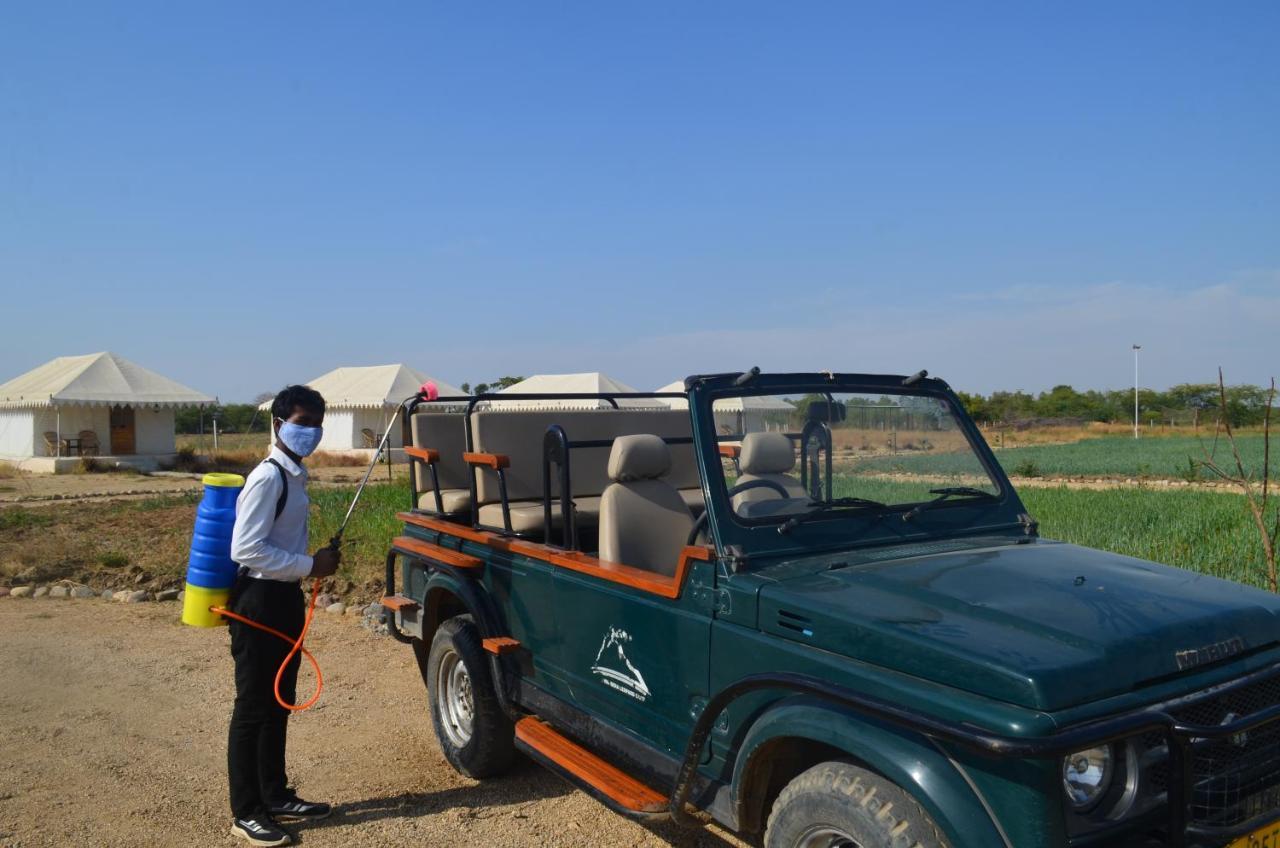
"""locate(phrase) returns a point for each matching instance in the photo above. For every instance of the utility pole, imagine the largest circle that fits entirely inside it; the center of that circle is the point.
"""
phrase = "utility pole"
(1136, 348)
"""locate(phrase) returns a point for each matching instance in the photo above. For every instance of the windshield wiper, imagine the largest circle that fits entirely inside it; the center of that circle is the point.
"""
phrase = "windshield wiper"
(826, 506)
(945, 493)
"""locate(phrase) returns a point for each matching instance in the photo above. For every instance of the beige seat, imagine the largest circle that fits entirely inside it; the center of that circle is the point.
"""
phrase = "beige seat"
(644, 522)
(445, 433)
(766, 456)
(519, 436)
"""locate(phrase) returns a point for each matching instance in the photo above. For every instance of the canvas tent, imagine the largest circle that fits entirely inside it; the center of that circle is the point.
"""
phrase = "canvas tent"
(98, 404)
(360, 402)
(592, 382)
(741, 414)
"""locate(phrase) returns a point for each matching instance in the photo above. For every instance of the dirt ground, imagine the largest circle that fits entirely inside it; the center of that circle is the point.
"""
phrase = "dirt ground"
(112, 733)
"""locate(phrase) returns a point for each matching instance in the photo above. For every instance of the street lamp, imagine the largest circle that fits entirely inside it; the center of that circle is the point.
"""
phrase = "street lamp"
(1136, 348)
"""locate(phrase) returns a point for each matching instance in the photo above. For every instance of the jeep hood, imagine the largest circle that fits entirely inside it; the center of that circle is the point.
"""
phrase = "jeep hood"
(1044, 625)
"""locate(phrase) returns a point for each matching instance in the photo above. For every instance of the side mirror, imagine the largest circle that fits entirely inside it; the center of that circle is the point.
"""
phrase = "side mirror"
(827, 412)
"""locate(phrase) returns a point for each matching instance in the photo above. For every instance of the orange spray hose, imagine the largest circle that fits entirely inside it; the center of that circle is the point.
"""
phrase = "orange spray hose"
(297, 648)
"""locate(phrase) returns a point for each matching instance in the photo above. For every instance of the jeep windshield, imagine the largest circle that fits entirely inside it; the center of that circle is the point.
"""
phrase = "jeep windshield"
(792, 457)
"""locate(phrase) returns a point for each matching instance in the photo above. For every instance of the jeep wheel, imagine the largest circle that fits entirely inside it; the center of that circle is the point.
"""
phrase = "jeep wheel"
(476, 737)
(839, 805)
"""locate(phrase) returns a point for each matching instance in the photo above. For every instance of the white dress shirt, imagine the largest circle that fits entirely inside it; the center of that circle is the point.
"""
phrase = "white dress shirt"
(273, 548)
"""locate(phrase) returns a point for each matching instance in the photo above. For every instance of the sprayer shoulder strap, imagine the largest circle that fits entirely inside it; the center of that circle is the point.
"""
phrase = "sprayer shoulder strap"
(284, 490)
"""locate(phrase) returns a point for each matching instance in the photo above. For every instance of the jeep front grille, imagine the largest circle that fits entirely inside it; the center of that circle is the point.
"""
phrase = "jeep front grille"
(1233, 779)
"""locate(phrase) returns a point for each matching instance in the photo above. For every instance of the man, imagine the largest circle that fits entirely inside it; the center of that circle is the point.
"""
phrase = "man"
(270, 544)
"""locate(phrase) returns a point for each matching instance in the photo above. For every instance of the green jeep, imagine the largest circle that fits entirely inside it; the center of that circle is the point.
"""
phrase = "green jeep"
(812, 608)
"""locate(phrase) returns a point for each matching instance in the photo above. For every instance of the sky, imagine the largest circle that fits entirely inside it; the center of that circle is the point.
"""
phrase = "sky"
(241, 195)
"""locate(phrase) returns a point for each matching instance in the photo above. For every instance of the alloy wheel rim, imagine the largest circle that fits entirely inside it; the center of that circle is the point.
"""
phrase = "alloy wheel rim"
(455, 699)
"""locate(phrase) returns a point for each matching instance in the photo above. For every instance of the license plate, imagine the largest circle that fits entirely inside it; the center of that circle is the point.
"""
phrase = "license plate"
(1263, 837)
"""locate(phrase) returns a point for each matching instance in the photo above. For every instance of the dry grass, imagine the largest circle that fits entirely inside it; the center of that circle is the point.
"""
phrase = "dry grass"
(105, 544)
(327, 459)
(1010, 437)
(9, 471)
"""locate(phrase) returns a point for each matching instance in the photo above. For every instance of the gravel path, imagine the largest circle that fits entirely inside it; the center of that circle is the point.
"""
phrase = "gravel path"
(112, 733)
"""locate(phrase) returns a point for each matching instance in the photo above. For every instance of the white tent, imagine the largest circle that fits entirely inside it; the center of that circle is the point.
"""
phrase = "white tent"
(747, 414)
(592, 382)
(361, 401)
(98, 404)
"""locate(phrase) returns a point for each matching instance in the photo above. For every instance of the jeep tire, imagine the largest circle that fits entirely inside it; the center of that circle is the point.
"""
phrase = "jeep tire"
(840, 805)
(475, 735)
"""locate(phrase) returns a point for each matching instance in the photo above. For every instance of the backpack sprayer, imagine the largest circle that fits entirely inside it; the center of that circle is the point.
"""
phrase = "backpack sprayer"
(211, 572)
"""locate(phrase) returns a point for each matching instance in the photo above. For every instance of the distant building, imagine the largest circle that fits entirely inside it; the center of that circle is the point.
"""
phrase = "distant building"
(360, 403)
(99, 405)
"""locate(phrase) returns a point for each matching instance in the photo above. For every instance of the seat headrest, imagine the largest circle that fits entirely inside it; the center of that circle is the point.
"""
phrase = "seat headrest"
(766, 453)
(638, 457)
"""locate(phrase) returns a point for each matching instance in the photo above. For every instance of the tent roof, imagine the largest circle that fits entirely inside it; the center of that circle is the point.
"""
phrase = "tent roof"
(96, 379)
(372, 386)
(591, 382)
(737, 404)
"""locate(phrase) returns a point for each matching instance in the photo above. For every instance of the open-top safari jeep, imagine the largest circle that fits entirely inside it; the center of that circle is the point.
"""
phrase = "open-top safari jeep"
(812, 608)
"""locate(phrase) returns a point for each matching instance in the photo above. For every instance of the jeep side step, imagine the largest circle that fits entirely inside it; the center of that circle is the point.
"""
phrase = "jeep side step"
(605, 782)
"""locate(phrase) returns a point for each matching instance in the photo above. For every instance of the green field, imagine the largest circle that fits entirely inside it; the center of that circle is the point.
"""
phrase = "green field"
(1109, 456)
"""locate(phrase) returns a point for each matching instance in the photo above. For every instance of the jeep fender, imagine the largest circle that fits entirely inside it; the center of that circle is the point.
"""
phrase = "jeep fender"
(909, 760)
(443, 582)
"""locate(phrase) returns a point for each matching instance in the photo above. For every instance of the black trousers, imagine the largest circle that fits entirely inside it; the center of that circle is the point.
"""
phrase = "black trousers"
(256, 741)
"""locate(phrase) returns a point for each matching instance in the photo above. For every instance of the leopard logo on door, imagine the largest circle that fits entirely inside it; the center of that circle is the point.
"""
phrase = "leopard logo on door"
(615, 670)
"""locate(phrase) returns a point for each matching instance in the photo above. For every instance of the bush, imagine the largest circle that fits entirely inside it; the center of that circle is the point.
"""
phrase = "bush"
(111, 559)
(1027, 468)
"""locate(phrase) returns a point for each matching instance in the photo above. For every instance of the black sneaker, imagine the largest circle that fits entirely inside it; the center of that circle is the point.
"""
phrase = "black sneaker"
(294, 807)
(261, 830)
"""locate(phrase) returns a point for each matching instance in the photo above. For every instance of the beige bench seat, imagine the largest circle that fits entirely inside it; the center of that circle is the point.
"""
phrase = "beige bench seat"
(454, 501)
(517, 436)
(527, 516)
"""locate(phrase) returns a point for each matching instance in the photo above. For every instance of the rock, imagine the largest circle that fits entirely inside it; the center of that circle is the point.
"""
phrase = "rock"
(326, 599)
(108, 593)
(59, 592)
(40, 592)
(20, 592)
(167, 595)
(182, 595)
(83, 592)
(337, 608)
(140, 578)
(4, 590)
(133, 597)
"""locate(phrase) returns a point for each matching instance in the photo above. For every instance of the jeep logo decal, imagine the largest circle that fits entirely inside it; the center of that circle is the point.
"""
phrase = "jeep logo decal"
(1209, 653)
(615, 670)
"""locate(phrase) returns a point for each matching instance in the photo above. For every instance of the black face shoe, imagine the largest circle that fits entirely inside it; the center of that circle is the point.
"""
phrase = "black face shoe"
(261, 830)
(294, 807)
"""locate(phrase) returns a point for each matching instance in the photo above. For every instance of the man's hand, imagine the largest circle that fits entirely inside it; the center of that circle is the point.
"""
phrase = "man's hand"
(325, 562)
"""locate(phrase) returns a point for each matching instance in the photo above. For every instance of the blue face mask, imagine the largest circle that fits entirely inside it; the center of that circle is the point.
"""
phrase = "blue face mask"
(299, 439)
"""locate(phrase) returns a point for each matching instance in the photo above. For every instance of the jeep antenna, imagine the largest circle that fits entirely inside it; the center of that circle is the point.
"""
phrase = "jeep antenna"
(915, 378)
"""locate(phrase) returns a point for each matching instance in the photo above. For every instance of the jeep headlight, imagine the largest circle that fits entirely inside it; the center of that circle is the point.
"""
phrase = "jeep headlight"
(1087, 775)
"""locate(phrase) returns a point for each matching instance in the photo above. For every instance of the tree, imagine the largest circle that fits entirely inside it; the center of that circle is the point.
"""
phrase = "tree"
(1256, 488)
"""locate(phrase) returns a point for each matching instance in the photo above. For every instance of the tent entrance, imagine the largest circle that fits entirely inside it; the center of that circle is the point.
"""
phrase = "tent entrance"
(124, 436)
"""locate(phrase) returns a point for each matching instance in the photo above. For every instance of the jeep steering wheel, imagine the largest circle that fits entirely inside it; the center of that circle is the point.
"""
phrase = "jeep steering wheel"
(701, 521)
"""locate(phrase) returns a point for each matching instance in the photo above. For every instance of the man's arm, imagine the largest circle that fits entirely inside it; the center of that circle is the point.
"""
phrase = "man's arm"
(255, 516)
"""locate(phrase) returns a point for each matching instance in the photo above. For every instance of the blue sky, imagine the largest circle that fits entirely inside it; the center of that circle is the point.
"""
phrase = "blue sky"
(244, 194)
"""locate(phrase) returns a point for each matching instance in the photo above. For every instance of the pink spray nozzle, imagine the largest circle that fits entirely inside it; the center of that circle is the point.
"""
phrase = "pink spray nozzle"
(429, 391)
